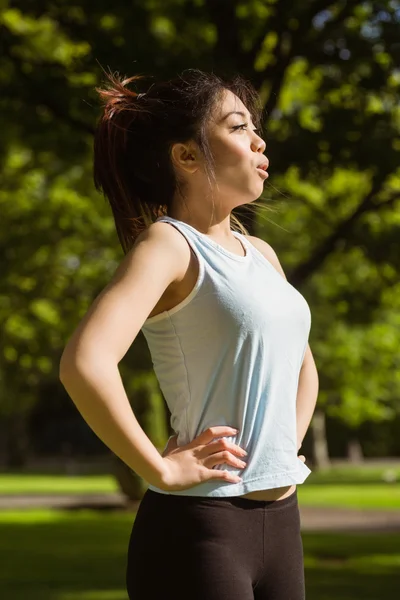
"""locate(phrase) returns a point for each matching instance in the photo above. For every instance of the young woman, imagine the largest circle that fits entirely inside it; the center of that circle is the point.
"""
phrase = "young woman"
(228, 335)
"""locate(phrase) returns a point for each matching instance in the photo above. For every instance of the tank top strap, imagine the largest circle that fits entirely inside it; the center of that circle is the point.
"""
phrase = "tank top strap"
(190, 237)
(209, 249)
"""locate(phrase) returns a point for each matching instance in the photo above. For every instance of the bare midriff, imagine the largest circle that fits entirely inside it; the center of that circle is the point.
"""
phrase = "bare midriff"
(274, 494)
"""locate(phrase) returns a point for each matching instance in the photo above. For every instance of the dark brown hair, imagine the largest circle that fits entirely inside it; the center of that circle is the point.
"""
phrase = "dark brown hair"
(134, 135)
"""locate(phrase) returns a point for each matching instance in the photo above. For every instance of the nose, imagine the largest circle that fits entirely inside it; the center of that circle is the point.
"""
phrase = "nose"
(259, 145)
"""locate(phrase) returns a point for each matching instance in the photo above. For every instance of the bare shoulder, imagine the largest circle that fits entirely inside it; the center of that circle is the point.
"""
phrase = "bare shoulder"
(164, 238)
(164, 233)
(267, 251)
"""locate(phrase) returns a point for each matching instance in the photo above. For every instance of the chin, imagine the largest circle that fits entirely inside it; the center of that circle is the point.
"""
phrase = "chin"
(259, 190)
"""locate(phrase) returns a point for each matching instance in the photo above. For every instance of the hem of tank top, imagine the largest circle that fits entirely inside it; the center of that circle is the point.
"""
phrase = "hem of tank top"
(278, 480)
(211, 242)
(300, 469)
(167, 313)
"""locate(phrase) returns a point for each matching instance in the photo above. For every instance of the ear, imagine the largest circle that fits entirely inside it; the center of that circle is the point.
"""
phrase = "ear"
(185, 157)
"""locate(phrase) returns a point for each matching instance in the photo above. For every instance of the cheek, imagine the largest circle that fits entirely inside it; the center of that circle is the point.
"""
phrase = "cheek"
(231, 155)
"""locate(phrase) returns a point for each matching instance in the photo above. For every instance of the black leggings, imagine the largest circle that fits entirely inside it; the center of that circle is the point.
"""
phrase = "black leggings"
(208, 548)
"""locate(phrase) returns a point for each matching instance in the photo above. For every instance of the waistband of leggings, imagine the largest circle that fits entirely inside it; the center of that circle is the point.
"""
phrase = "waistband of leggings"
(238, 501)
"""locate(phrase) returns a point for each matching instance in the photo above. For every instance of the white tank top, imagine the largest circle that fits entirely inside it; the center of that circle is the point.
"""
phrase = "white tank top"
(230, 354)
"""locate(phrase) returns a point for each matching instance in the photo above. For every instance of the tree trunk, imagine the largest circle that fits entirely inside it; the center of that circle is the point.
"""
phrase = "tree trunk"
(3, 444)
(17, 442)
(129, 482)
(354, 451)
(320, 444)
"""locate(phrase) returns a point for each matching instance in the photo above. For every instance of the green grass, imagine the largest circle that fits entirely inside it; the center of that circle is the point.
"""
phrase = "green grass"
(357, 487)
(345, 487)
(57, 555)
(383, 496)
(56, 484)
(356, 474)
(81, 555)
(352, 566)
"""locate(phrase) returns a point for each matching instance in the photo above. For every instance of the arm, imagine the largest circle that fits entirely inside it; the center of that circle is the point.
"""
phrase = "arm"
(308, 385)
(94, 384)
(307, 394)
(89, 364)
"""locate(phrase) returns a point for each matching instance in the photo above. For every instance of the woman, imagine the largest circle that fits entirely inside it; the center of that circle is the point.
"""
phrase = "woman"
(228, 337)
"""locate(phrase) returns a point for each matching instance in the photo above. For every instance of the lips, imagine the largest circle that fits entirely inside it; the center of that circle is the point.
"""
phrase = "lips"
(264, 165)
(262, 169)
(262, 173)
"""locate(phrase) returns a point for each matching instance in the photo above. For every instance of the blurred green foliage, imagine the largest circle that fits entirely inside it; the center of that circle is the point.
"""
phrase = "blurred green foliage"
(328, 75)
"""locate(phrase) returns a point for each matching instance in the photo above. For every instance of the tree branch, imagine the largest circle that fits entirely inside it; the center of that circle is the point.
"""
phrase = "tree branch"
(277, 69)
(386, 203)
(342, 232)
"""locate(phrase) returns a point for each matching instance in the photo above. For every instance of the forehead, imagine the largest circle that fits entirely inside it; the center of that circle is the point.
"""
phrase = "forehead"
(230, 103)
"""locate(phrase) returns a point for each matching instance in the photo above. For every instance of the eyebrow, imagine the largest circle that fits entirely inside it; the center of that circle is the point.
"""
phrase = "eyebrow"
(233, 112)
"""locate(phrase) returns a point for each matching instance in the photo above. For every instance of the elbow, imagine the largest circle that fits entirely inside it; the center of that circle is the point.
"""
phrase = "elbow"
(70, 365)
(65, 368)
(74, 365)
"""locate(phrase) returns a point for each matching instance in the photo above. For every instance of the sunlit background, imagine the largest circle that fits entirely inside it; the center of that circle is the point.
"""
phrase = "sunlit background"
(328, 74)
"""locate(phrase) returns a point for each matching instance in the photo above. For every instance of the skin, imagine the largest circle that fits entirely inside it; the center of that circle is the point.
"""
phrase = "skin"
(238, 150)
(237, 154)
(89, 364)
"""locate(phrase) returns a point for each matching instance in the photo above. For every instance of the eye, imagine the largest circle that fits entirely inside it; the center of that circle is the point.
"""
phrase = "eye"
(245, 125)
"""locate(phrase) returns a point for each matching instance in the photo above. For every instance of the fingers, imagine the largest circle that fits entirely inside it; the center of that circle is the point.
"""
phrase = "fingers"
(223, 445)
(211, 457)
(209, 434)
(225, 475)
(224, 457)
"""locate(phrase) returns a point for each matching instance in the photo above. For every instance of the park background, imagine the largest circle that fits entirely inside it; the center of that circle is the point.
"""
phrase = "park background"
(328, 74)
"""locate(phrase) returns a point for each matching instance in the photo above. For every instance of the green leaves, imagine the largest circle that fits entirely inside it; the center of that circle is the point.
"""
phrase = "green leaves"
(327, 75)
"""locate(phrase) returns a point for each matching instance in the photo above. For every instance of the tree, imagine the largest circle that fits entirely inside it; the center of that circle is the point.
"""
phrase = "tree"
(326, 71)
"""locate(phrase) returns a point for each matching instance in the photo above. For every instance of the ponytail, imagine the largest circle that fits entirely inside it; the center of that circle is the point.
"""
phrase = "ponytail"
(134, 135)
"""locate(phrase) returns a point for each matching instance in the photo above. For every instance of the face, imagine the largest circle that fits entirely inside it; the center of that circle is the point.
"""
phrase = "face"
(238, 151)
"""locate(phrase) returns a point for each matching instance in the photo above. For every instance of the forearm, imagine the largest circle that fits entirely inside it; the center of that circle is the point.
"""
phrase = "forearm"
(307, 394)
(97, 391)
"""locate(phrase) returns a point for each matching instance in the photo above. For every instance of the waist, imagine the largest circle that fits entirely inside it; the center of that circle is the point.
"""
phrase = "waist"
(173, 501)
(271, 494)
